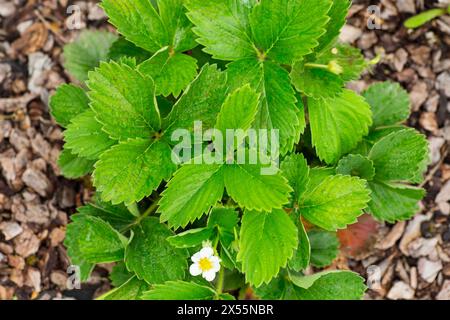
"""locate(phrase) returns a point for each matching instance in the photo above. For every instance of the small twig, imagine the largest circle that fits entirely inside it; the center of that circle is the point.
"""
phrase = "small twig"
(432, 172)
(59, 38)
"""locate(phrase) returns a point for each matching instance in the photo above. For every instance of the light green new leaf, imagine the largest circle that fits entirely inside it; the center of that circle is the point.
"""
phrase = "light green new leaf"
(278, 109)
(179, 290)
(96, 240)
(171, 71)
(131, 170)
(191, 238)
(336, 202)
(151, 256)
(124, 101)
(394, 202)
(222, 27)
(253, 190)
(68, 102)
(324, 247)
(74, 167)
(238, 110)
(399, 156)
(302, 255)
(338, 124)
(86, 53)
(356, 165)
(286, 30)
(389, 102)
(192, 191)
(267, 241)
(338, 14)
(130, 290)
(335, 285)
(296, 170)
(137, 21)
(84, 136)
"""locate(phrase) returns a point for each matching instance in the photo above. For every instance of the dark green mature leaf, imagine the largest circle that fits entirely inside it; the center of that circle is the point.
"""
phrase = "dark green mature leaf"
(151, 256)
(130, 290)
(394, 202)
(84, 136)
(222, 27)
(389, 102)
(95, 240)
(336, 202)
(356, 165)
(324, 247)
(123, 48)
(117, 216)
(87, 52)
(193, 190)
(296, 170)
(338, 124)
(119, 274)
(338, 14)
(131, 170)
(399, 156)
(171, 71)
(267, 241)
(191, 238)
(74, 167)
(179, 290)
(278, 109)
(302, 255)
(223, 218)
(286, 30)
(68, 102)
(124, 101)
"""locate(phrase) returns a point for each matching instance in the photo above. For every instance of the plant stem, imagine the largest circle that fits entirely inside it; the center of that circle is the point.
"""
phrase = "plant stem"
(220, 280)
(147, 212)
(316, 66)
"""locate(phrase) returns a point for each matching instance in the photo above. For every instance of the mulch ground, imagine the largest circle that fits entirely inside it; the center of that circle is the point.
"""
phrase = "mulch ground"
(408, 260)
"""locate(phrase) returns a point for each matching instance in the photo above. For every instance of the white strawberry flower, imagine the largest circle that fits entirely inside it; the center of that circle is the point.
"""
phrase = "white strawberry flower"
(205, 263)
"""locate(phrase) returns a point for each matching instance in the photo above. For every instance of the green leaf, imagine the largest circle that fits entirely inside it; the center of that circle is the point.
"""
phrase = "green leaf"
(336, 202)
(151, 256)
(317, 175)
(223, 218)
(138, 22)
(424, 17)
(302, 255)
(171, 71)
(394, 202)
(119, 274)
(86, 53)
(131, 170)
(296, 170)
(193, 190)
(399, 156)
(278, 109)
(389, 102)
(286, 30)
(191, 238)
(338, 14)
(338, 124)
(84, 136)
(267, 241)
(123, 48)
(337, 285)
(74, 167)
(253, 190)
(179, 290)
(130, 290)
(124, 101)
(117, 216)
(68, 102)
(77, 259)
(201, 101)
(96, 240)
(356, 165)
(324, 247)
(238, 110)
(222, 27)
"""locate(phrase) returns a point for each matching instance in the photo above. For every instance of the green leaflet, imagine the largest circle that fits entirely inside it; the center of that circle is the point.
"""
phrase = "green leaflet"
(161, 262)
(119, 274)
(389, 102)
(84, 136)
(324, 247)
(68, 102)
(122, 48)
(124, 101)
(131, 170)
(130, 290)
(179, 290)
(336, 202)
(302, 255)
(356, 165)
(424, 17)
(117, 216)
(171, 71)
(191, 238)
(74, 167)
(267, 241)
(338, 14)
(338, 124)
(296, 170)
(86, 53)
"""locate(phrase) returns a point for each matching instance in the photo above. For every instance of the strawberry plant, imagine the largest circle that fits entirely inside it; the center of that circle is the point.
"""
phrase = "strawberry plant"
(185, 217)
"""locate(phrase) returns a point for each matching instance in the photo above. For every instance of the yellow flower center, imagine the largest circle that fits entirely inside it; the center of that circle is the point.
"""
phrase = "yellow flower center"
(205, 264)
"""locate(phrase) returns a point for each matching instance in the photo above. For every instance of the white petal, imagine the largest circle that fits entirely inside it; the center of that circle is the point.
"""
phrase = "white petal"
(196, 257)
(209, 275)
(206, 252)
(195, 270)
(215, 263)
